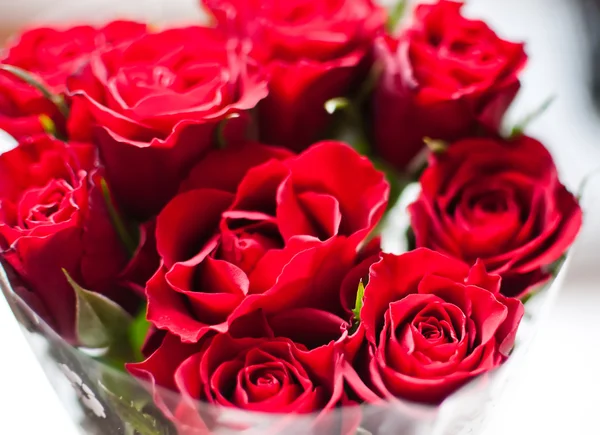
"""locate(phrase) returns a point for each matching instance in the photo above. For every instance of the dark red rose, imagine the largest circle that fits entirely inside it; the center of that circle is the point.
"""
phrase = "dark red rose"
(219, 247)
(54, 54)
(446, 77)
(432, 324)
(501, 202)
(205, 264)
(267, 375)
(313, 51)
(52, 217)
(157, 106)
(22, 108)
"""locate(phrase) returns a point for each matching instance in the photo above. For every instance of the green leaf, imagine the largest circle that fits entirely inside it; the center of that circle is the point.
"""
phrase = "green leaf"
(395, 15)
(140, 422)
(129, 241)
(360, 294)
(28, 78)
(135, 392)
(554, 268)
(221, 141)
(518, 129)
(138, 332)
(102, 324)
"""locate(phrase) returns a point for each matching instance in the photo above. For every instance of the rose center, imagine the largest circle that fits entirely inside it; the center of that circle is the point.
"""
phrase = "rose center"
(245, 248)
(44, 211)
(431, 331)
(264, 381)
(495, 202)
(267, 380)
(40, 206)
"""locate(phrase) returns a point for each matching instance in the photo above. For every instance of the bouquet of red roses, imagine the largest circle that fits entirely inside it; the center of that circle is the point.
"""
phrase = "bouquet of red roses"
(215, 211)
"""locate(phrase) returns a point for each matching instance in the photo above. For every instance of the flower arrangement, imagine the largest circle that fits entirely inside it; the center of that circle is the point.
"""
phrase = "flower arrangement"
(204, 208)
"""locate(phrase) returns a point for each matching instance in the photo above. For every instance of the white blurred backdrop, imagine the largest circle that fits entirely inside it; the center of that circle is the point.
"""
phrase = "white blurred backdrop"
(556, 391)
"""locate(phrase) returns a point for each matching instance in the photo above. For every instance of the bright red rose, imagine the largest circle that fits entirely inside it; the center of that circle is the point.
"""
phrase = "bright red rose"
(52, 217)
(55, 54)
(205, 264)
(219, 247)
(155, 107)
(432, 324)
(501, 202)
(446, 77)
(331, 191)
(267, 375)
(313, 51)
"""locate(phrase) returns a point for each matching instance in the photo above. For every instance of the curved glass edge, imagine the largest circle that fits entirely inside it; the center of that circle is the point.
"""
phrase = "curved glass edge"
(97, 396)
(100, 398)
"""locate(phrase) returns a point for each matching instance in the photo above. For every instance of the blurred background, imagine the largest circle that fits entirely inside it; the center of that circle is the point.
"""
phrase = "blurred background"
(554, 393)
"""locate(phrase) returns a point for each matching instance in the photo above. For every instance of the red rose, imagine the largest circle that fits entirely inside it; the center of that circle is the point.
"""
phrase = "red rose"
(501, 202)
(267, 375)
(55, 54)
(53, 217)
(158, 104)
(329, 190)
(219, 247)
(205, 264)
(432, 325)
(446, 78)
(22, 108)
(313, 51)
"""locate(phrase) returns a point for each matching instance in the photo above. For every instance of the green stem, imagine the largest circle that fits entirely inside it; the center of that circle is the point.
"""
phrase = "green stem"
(28, 78)
(396, 14)
(127, 239)
(518, 129)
